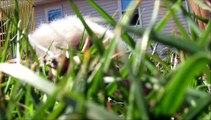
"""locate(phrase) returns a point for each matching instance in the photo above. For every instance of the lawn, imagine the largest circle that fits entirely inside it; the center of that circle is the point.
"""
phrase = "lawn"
(137, 85)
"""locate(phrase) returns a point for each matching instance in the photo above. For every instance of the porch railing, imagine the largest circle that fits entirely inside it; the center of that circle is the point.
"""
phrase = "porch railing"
(26, 15)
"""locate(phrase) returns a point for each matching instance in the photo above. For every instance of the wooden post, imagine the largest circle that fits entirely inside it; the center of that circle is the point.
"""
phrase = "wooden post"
(201, 12)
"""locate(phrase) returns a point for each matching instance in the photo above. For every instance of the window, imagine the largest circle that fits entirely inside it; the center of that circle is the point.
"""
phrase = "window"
(53, 13)
(135, 20)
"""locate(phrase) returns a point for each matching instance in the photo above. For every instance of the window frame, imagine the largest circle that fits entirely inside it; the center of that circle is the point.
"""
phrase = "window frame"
(52, 8)
(121, 11)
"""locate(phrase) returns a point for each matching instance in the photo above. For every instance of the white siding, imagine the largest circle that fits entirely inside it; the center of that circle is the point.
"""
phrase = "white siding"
(37, 2)
(147, 6)
(110, 6)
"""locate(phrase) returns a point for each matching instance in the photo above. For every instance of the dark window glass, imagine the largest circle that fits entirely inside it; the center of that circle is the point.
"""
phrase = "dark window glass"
(135, 19)
(54, 14)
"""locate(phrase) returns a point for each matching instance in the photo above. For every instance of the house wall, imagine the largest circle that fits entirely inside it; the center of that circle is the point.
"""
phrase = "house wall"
(110, 6)
(147, 8)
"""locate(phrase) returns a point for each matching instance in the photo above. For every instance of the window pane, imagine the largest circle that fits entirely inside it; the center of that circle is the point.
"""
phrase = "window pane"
(54, 14)
(124, 4)
(135, 19)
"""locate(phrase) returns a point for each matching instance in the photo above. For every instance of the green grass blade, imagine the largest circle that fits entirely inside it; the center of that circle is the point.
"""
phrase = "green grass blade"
(16, 15)
(177, 86)
(41, 111)
(26, 75)
(15, 95)
(96, 80)
(110, 20)
(202, 103)
(198, 17)
(139, 56)
(125, 19)
(194, 28)
(94, 38)
(205, 38)
(167, 17)
(141, 49)
(6, 47)
(102, 12)
(170, 40)
(28, 102)
(183, 31)
(203, 5)
(95, 112)
(157, 59)
(55, 113)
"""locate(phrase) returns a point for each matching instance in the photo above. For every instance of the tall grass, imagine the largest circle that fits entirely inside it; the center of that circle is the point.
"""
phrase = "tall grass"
(143, 85)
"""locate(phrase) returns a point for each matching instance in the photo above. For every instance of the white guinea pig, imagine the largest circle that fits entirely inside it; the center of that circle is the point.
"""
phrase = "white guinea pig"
(48, 39)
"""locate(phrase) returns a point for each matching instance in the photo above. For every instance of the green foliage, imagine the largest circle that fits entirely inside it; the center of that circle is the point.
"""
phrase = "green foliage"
(143, 85)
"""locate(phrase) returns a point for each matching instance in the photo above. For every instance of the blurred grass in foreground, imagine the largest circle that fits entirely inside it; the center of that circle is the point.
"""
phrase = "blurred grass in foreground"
(142, 86)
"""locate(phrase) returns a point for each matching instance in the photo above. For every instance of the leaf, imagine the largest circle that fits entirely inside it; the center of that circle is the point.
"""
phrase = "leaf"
(170, 40)
(195, 110)
(26, 75)
(205, 38)
(202, 5)
(176, 88)
(96, 112)
(183, 31)
(110, 20)
(95, 40)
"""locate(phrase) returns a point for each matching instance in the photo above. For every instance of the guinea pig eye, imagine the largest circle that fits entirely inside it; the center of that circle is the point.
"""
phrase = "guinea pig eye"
(54, 62)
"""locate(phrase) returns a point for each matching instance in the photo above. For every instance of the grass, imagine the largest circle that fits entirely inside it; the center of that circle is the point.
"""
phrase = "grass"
(143, 85)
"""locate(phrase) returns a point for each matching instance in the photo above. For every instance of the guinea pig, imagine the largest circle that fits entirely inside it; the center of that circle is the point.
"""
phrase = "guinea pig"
(50, 39)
